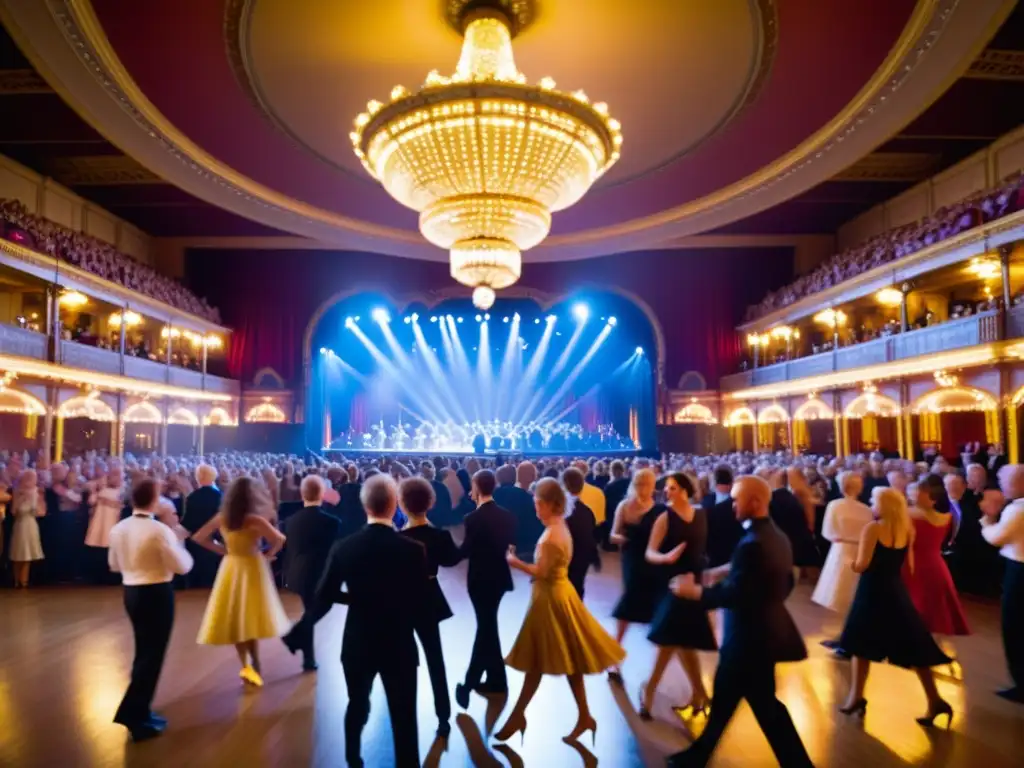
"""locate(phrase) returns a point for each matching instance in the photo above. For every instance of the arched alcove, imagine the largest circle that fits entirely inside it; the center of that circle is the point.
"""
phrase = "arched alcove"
(265, 413)
(742, 426)
(694, 413)
(142, 412)
(949, 417)
(814, 427)
(20, 415)
(871, 422)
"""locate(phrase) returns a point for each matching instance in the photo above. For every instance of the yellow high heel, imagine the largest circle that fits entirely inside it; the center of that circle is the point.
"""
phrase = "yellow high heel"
(251, 676)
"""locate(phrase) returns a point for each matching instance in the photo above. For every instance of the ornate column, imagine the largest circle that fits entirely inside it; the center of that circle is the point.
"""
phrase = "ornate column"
(908, 420)
(838, 423)
(58, 447)
(904, 319)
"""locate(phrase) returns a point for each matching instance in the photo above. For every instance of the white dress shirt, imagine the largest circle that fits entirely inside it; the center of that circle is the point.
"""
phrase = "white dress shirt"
(1008, 533)
(145, 551)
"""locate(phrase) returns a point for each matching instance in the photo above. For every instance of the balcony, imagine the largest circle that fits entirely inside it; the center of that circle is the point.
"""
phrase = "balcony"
(21, 342)
(962, 333)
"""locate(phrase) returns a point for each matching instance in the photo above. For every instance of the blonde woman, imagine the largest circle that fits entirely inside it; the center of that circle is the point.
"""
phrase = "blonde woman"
(559, 635)
(883, 624)
(642, 587)
(26, 506)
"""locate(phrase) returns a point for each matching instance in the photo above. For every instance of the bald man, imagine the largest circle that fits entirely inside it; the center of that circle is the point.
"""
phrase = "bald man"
(758, 633)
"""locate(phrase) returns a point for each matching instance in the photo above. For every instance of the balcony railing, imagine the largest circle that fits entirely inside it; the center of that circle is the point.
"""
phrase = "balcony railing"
(22, 343)
(954, 334)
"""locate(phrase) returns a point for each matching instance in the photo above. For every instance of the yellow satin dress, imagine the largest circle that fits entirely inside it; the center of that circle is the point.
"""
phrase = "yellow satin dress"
(244, 604)
(559, 635)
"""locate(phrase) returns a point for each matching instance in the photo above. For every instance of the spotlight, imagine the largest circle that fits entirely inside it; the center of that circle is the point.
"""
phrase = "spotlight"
(355, 319)
(415, 317)
(478, 318)
(487, 317)
(515, 315)
(551, 318)
(639, 350)
(407, 320)
(323, 350)
(433, 318)
(380, 315)
(536, 321)
(612, 322)
(350, 322)
(458, 320)
(504, 319)
(581, 312)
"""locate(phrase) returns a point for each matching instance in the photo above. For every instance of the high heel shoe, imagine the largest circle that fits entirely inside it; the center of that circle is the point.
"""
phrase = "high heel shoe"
(644, 713)
(251, 676)
(941, 708)
(692, 710)
(590, 724)
(858, 708)
(511, 728)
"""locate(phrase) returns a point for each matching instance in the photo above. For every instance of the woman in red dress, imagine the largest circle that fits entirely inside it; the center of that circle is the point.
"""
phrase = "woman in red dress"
(930, 584)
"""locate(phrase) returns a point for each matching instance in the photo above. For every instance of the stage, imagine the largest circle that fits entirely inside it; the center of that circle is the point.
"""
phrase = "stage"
(67, 652)
(337, 454)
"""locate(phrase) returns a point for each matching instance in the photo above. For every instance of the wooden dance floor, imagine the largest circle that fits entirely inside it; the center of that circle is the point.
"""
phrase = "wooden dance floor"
(65, 655)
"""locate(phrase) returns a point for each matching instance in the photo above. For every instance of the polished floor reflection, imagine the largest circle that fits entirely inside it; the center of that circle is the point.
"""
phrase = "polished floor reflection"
(65, 653)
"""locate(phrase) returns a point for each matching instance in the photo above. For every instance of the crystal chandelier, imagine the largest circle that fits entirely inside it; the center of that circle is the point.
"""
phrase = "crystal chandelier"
(484, 157)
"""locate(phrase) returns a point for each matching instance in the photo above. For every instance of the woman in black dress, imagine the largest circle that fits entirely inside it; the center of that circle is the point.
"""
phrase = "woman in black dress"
(882, 623)
(416, 497)
(680, 627)
(642, 585)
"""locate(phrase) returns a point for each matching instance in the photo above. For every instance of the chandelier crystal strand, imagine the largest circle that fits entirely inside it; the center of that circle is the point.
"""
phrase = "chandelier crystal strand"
(485, 158)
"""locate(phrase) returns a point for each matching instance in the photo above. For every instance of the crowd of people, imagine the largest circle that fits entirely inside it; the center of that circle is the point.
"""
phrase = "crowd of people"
(898, 243)
(100, 258)
(888, 544)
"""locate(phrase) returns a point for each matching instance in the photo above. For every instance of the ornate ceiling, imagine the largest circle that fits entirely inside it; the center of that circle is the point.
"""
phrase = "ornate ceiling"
(214, 117)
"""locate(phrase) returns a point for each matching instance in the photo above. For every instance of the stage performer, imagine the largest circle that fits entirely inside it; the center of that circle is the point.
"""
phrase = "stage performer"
(759, 632)
(147, 554)
(490, 531)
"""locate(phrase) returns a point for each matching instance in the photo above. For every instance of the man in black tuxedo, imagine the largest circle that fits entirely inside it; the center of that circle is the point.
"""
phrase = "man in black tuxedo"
(200, 506)
(614, 493)
(386, 577)
(758, 632)
(490, 531)
(311, 534)
(580, 522)
(724, 530)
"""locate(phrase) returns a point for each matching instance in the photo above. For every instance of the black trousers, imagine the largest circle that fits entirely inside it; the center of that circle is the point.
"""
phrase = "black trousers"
(486, 656)
(151, 610)
(400, 689)
(1013, 620)
(430, 638)
(736, 680)
(301, 634)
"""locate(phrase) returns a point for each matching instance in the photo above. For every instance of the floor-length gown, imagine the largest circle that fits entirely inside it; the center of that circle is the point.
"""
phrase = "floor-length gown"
(642, 583)
(677, 622)
(26, 545)
(883, 623)
(244, 604)
(559, 635)
(842, 526)
(931, 585)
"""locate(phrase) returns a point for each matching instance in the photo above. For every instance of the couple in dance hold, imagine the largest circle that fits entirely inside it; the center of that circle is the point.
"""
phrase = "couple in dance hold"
(390, 586)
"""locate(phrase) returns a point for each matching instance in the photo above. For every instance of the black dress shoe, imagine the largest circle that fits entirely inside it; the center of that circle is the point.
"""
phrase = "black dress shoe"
(444, 729)
(1014, 694)
(309, 666)
(157, 720)
(145, 732)
(462, 695)
(830, 644)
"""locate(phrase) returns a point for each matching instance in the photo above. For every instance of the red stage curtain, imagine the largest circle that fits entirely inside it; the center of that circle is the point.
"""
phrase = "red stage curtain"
(959, 428)
(357, 414)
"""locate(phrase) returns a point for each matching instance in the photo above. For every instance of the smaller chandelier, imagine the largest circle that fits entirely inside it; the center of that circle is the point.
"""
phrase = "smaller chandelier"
(484, 157)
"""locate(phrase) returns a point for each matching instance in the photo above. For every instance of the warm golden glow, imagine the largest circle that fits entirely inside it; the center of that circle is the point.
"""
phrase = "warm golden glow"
(739, 417)
(889, 297)
(79, 376)
(773, 414)
(142, 413)
(870, 403)
(833, 318)
(218, 417)
(954, 400)
(131, 319)
(86, 407)
(782, 332)
(267, 413)
(73, 299)
(198, 340)
(167, 331)
(13, 401)
(183, 416)
(694, 413)
(812, 409)
(485, 158)
(945, 379)
(984, 269)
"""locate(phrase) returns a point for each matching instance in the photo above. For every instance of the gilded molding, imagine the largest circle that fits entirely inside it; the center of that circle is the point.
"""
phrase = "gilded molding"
(100, 169)
(928, 22)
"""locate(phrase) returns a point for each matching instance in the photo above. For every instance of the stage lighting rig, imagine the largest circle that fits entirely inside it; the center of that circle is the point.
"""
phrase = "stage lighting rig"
(612, 322)
(639, 350)
(581, 312)
(415, 317)
(380, 315)
(323, 350)
(478, 318)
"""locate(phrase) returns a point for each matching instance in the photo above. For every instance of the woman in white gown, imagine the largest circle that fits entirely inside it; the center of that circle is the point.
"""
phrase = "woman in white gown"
(27, 505)
(845, 518)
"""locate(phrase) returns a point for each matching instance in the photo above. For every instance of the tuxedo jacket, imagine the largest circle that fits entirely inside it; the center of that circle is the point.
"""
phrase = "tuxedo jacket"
(311, 533)
(584, 544)
(441, 552)
(490, 530)
(200, 506)
(385, 575)
(758, 626)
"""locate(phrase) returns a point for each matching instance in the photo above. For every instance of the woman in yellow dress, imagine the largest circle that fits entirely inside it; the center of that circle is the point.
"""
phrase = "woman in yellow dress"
(559, 636)
(244, 606)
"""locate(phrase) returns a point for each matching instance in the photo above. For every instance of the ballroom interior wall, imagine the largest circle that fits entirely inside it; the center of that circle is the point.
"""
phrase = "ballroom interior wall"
(269, 296)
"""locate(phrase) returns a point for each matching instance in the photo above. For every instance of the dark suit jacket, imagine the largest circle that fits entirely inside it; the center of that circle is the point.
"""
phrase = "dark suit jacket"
(441, 512)
(311, 533)
(584, 545)
(387, 586)
(441, 551)
(200, 506)
(350, 509)
(520, 504)
(490, 530)
(757, 625)
(724, 533)
(614, 493)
